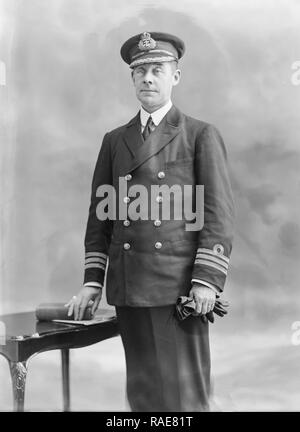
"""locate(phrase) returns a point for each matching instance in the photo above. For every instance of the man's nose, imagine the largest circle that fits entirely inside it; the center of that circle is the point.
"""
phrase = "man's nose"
(148, 77)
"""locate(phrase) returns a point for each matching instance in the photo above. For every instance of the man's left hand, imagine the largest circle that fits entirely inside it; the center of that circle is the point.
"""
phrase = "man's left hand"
(204, 298)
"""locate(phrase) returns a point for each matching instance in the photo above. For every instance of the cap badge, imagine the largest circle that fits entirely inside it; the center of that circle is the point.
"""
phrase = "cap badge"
(146, 43)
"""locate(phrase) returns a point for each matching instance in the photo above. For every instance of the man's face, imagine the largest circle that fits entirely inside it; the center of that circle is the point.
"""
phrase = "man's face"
(153, 83)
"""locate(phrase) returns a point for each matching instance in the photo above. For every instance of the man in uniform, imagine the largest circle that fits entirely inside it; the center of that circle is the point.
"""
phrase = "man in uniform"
(150, 263)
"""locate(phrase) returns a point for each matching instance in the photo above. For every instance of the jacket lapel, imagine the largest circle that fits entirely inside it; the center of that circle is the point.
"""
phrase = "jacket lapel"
(141, 150)
(133, 137)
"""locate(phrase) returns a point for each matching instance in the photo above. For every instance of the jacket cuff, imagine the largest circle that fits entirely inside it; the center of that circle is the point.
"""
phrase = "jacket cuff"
(95, 267)
(93, 284)
(211, 266)
(209, 285)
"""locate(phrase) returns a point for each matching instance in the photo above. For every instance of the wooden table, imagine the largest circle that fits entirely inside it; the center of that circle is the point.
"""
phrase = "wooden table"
(25, 337)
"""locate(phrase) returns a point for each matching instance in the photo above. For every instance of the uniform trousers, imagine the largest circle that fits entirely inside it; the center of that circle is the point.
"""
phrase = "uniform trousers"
(167, 361)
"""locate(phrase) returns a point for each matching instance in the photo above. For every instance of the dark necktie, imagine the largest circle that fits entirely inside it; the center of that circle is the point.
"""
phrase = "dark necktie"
(150, 126)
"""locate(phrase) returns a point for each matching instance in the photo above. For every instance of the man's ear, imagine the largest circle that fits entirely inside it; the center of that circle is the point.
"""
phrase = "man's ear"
(176, 77)
(132, 70)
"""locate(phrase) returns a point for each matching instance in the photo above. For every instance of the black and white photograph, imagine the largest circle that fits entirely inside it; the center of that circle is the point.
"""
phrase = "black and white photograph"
(150, 213)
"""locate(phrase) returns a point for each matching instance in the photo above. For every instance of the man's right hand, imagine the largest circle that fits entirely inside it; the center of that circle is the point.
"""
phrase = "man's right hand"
(79, 303)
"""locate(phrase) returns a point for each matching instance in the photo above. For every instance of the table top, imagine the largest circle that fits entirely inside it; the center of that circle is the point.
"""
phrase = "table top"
(25, 325)
(25, 336)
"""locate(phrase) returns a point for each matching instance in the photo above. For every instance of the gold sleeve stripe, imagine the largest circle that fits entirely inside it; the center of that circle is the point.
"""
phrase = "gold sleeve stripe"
(211, 252)
(211, 264)
(92, 265)
(95, 259)
(95, 254)
(214, 259)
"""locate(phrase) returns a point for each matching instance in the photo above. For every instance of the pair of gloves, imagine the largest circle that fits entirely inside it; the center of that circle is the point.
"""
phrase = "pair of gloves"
(186, 306)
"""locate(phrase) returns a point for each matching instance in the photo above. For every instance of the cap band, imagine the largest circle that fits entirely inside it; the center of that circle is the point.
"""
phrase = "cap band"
(168, 53)
(151, 60)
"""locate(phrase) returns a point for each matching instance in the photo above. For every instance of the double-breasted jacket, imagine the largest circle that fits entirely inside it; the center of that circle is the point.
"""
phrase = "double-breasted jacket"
(151, 261)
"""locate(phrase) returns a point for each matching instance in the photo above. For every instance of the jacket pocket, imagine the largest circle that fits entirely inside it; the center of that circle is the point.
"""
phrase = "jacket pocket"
(179, 162)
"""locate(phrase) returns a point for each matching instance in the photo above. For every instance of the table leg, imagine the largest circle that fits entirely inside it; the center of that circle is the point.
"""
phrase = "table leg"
(18, 372)
(65, 362)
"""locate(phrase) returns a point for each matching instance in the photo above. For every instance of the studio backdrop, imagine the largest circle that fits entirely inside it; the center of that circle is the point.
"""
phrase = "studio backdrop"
(63, 85)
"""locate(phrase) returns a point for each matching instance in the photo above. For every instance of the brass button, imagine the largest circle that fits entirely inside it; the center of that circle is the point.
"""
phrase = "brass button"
(161, 175)
(158, 245)
(126, 223)
(157, 223)
(126, 200)
(126, 246)
(128, 177)
(159, 199)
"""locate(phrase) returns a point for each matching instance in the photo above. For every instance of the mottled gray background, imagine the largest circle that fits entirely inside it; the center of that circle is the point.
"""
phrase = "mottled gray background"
(66, 85)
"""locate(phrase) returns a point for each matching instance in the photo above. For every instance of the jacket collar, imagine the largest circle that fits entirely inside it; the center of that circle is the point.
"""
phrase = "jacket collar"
(142, 150)
(173, 117)
(157, 115)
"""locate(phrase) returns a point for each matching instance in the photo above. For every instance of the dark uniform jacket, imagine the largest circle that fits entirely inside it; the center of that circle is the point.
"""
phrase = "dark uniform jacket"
(152, 262)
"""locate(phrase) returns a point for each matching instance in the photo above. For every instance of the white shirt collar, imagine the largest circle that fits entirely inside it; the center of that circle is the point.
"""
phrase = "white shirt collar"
(157, 115)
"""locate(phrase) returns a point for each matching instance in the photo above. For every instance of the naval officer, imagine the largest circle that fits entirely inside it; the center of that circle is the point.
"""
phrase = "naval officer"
(149, 263)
